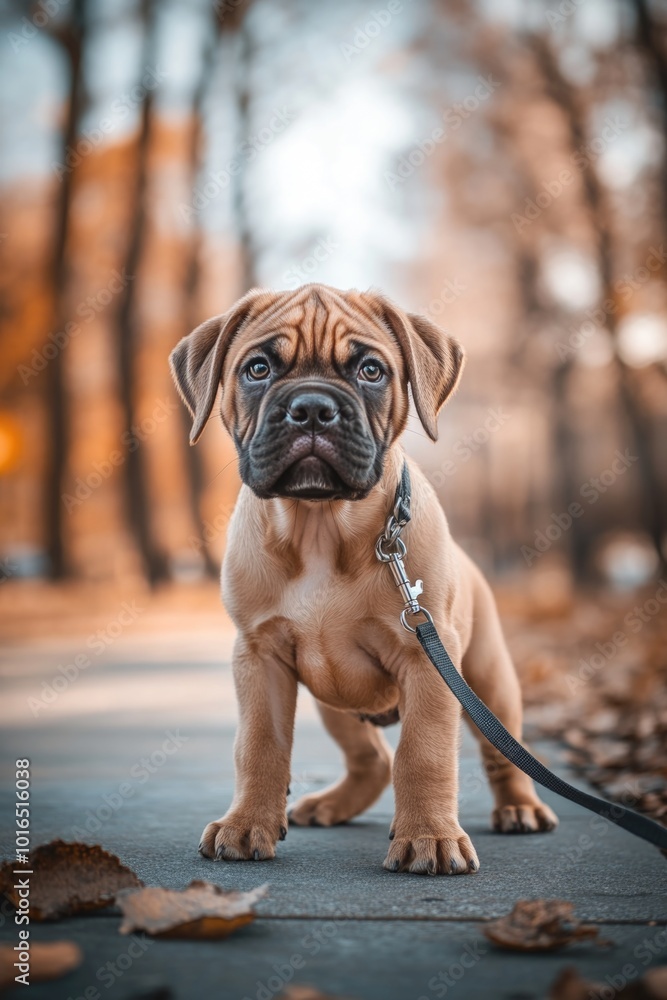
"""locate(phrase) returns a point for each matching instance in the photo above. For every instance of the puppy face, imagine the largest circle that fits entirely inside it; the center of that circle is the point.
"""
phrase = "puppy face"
(315, 386)
(315, 407)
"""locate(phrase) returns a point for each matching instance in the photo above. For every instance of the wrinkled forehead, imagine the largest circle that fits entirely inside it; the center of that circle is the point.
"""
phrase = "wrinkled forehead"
(313, 323)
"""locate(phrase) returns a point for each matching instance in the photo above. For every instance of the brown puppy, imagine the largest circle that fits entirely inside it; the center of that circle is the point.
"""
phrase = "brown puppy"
(315, 396)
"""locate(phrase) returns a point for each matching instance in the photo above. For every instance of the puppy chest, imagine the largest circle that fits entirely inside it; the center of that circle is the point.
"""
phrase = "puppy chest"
(344, 676)
(329, 653)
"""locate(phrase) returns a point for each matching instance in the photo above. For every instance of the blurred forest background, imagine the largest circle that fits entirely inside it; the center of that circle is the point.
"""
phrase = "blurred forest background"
(500, 167)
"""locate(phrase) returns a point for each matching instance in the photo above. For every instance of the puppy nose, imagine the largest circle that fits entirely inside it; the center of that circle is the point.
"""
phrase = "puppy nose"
(312, 411)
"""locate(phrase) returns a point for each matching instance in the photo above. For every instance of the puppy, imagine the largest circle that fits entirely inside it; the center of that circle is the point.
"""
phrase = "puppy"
(315, 396)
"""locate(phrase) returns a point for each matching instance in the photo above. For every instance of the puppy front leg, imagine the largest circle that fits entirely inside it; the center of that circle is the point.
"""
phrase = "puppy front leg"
(266, 691)
(427, 838)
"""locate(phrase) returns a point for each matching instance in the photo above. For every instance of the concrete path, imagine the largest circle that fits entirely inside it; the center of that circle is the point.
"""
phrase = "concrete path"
(163, 729)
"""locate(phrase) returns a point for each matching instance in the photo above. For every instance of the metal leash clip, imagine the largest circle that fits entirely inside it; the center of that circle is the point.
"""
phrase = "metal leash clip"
(391, 549)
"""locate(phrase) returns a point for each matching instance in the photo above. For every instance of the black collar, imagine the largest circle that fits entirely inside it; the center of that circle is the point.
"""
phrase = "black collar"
(403, 496)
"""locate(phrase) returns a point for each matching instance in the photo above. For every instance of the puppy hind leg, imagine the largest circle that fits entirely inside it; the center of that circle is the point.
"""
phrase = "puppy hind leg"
(488, 668)
(368, 759)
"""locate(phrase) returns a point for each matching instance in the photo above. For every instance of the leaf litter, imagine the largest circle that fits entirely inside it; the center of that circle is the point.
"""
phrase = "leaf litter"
(569, 985)
(202, 910)
(540, 925)
(48, 960)
(68, 879)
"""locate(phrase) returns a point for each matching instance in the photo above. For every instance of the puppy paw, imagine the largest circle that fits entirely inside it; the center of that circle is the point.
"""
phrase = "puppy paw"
(240, 838)
(534, 817)
(343, 801)
(449, 853)
(319, 809)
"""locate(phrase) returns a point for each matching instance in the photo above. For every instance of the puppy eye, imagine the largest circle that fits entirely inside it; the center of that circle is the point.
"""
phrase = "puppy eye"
(370, 371)
(258, 370)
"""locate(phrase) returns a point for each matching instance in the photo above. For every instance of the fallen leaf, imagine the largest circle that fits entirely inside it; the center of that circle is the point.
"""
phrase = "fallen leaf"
(574, 737)
(601, 721)
(201, 910)
(539, 925)
(48, 960)
(570, 986)
(655, 982)
(68, 879)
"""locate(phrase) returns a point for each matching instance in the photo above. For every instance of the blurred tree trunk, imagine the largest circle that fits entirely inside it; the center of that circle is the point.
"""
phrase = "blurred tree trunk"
(568, 484)
(193, 457)
(650, 44)
(71, 36)
(654, 514)
(228, 19)
(136, 477)
(565, 486)
(244, 57)
(653, 48)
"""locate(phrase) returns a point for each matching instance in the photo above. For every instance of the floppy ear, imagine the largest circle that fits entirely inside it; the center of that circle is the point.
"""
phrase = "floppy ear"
(434, 360)
(196, 361)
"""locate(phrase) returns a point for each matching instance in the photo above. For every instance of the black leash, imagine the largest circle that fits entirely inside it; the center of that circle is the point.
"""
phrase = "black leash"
(391, 549)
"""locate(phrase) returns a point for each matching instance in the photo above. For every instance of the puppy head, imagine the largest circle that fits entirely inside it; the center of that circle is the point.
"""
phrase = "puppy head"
(315, 385)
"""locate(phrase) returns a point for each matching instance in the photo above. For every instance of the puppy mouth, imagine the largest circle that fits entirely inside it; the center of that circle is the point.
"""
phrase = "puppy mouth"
(313, 470)
(311, 478)
(337, 463)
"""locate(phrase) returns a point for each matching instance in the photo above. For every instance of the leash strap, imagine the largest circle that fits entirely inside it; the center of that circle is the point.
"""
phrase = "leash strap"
(516, 753)
(494, 731)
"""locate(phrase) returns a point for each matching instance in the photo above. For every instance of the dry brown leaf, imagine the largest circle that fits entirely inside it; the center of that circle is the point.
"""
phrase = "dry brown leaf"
(575, 737)
(570, 986)
(201, 910)
(539, 925)
(601, 721)
(68, 879)
(48, 960)
(655, 982)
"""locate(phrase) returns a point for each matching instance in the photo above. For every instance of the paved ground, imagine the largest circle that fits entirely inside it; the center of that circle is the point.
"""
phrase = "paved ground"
(351, 928)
